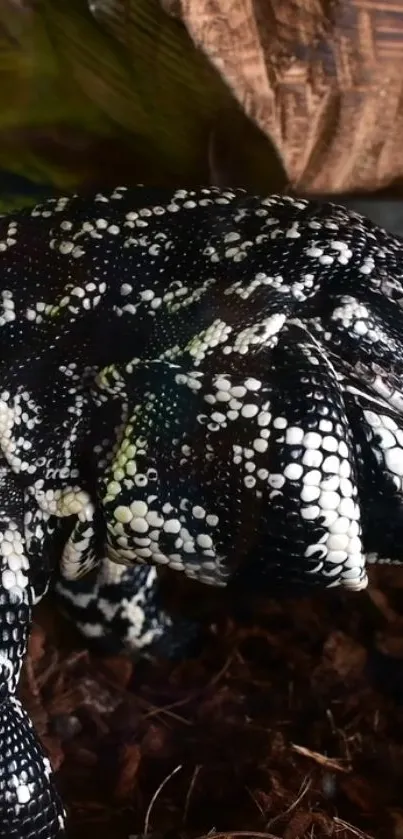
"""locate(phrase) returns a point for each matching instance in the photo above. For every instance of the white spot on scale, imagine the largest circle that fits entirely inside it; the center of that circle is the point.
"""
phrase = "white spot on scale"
(198, 512)
(331, 464)
(348, 508)
(280, 422)
(260, 445)
(346, 487)
(8, 579)
(345, 469)
(312, 440)
(309, 494)
(123, 514)
(354, 580)
(253, 384)
(294, 436)
(330, 444)
(336, 557)
(310, 513)
(394, 460)
(329, 500)
(293, 471)
(154, 519)
(341, 525)
(139, 525)
(249, 410)
(264, 418)
(23, 794)
(337, 542)
(325, 425)
(222, 384)
(388, 422)
(172, 526)
(313, 478)
(312, 458)
(355, 546)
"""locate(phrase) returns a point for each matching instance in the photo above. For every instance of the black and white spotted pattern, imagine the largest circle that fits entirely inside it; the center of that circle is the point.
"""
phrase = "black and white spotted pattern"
(203, 380)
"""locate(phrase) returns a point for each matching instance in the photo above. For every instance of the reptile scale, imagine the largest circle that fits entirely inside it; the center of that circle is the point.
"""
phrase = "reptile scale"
(200, 379)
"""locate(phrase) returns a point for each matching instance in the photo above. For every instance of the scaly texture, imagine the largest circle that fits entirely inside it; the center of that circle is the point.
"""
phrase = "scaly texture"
(198, 379)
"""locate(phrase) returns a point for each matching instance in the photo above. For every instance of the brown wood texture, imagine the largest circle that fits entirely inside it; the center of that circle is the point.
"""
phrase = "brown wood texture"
(322, 78)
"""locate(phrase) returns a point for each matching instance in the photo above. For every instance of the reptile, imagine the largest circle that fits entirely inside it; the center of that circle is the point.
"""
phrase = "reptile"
(200, 379)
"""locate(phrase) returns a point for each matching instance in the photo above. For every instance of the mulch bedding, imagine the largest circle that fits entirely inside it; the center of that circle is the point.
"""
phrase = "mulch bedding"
(287, 724)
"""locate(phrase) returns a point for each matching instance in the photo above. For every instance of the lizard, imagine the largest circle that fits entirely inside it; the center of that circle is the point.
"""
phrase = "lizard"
(200, 379)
